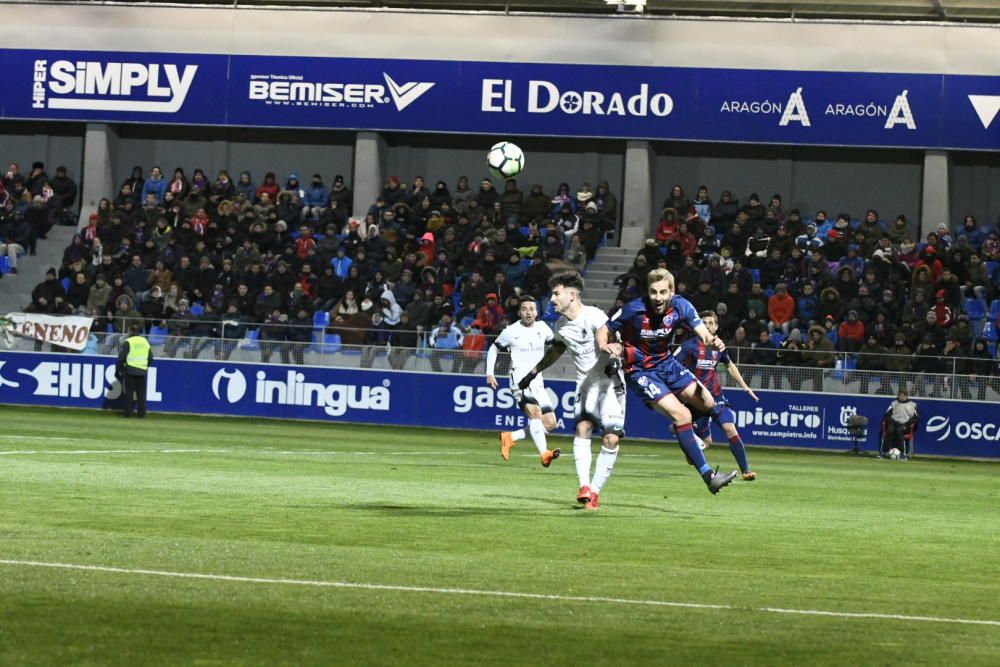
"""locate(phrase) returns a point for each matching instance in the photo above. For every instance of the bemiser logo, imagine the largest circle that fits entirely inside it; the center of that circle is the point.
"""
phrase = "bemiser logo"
(295, 90)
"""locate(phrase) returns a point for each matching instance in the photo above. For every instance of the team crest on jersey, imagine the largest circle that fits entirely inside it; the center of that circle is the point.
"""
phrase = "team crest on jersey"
(665, 329)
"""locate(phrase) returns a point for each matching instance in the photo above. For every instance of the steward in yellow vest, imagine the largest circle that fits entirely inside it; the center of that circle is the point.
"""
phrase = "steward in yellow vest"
(134, 360)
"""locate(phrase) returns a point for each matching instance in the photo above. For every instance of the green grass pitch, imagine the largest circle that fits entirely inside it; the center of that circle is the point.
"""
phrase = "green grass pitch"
(353, 545)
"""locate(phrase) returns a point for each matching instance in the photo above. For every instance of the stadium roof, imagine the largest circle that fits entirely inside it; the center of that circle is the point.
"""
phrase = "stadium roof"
(974, 11)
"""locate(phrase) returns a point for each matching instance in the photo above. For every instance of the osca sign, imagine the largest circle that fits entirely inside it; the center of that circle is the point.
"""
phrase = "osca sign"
(962, 430)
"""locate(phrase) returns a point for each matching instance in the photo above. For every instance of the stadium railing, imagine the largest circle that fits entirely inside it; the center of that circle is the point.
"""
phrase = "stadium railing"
(327, 349)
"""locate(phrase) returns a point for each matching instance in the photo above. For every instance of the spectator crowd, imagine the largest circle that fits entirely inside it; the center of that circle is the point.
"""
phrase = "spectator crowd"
(795, 291)
(30, 204)
(192, 253)
(447, 265)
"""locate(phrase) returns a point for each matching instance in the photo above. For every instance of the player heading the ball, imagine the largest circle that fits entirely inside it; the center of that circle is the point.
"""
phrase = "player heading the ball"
(648, 327)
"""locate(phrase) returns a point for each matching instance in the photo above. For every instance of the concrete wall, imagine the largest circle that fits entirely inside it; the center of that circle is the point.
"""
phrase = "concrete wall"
(258, 151)
(610, 40)
(55, 144)
(975, 187)
(548, 161)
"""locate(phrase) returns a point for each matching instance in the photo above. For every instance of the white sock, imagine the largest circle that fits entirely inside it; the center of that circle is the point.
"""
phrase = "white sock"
(537, 430)
(605, 463)
(519, 434)
(582, 456)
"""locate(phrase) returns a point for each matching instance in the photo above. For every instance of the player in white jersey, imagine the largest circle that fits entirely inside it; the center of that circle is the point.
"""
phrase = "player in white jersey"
(526, 340)
(600, 387)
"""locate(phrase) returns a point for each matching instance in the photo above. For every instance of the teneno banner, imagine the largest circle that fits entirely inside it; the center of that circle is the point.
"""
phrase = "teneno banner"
(693, 104)
(68, 331)
(821, 421)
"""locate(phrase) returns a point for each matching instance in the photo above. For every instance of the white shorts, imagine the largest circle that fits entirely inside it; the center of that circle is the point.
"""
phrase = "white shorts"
(535, 394)
(601, 401)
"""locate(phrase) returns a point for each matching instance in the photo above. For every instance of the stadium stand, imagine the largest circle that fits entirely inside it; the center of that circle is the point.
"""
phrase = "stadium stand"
(242, 253)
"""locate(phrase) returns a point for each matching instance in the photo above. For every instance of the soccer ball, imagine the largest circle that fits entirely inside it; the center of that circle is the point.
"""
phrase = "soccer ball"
(505, 160)
(894, 453)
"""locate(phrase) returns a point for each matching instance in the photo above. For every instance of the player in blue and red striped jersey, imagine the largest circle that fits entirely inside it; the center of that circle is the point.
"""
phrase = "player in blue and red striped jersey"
(648, 328)
(702, 360)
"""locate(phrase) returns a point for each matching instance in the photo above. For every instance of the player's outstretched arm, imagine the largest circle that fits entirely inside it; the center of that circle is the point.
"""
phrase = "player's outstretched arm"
(491, 362)
(736, 375)
(605, 344)
(554, 351)
(708, 339)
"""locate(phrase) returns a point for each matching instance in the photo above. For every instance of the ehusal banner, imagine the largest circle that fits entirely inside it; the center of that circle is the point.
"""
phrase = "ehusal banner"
(574, 100)
(949, 428)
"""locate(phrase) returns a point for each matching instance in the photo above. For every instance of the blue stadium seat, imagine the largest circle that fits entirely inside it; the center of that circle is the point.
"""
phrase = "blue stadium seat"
(331, 344)
(778, 338)
(549, 314)
(769, 292)
(994, 309)
(5, 266)
(321, 319)
(755, 274)
(65, 284)
(991, 270)
(197, 309)
(467, 321)
(844, 365)
(253, 341)
(157, 336)
(976, 310)
(990, 331)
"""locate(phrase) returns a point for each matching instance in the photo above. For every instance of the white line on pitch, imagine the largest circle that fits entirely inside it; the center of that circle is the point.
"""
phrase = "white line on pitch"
(488, 593)
(249, 452)
(108, 451)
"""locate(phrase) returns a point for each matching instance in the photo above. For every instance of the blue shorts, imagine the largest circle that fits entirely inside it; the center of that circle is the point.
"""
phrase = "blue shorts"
(652, 384)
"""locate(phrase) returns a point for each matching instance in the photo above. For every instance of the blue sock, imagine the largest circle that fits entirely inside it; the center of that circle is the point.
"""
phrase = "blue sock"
(739, 452)
(685, 434)
(704, 432)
